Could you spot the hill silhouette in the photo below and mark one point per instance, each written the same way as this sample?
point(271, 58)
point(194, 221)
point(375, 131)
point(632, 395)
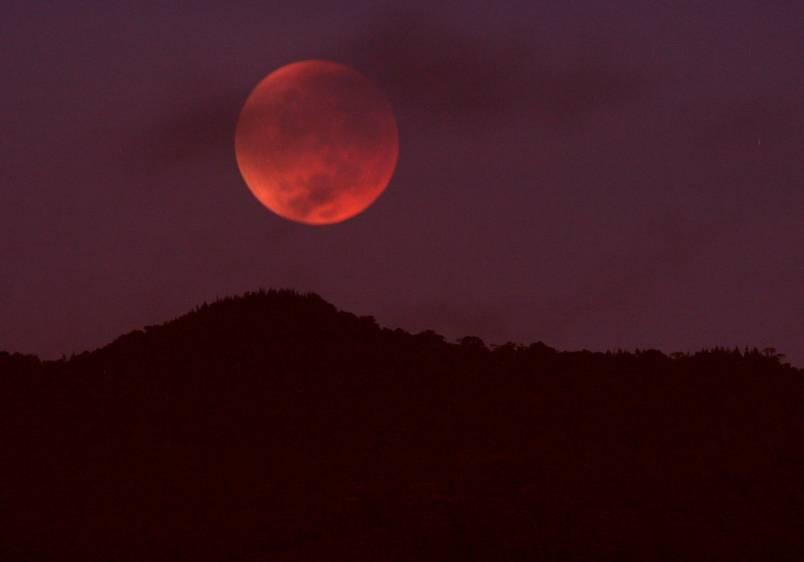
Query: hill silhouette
point(275, 427)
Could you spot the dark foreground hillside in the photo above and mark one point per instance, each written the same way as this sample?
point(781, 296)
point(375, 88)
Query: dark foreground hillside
point(275, 428)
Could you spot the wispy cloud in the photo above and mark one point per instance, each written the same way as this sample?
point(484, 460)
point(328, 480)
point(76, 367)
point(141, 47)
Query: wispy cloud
point(449, 76)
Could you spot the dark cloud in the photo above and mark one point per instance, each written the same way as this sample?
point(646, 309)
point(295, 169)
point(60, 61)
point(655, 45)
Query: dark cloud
point(437, 76)
point(196, 123)
point(449, 76)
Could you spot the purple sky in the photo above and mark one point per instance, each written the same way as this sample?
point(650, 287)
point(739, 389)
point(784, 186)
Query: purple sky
point(590, 174)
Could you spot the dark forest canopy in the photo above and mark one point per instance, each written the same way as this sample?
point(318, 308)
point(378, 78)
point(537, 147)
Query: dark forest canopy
point(274, 427)
point(287, 313)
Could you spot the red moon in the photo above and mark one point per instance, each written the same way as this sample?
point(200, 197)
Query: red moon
point(316, 142)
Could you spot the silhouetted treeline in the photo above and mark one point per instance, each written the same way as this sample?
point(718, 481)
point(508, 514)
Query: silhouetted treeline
point(275, 427)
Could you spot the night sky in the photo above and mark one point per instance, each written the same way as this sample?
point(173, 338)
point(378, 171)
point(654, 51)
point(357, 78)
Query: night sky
point(590, 174)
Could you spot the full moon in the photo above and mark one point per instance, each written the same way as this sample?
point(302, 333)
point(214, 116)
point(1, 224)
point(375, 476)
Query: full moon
point(316, 142)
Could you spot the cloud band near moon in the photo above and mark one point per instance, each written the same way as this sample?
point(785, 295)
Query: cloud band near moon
point(437, 77)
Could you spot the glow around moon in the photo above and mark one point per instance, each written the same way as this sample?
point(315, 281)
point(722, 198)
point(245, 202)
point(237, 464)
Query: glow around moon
point(316, 142)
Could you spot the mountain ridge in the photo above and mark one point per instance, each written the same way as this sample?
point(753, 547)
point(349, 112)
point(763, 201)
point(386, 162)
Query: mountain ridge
point(276, 427)
point(310, 301)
